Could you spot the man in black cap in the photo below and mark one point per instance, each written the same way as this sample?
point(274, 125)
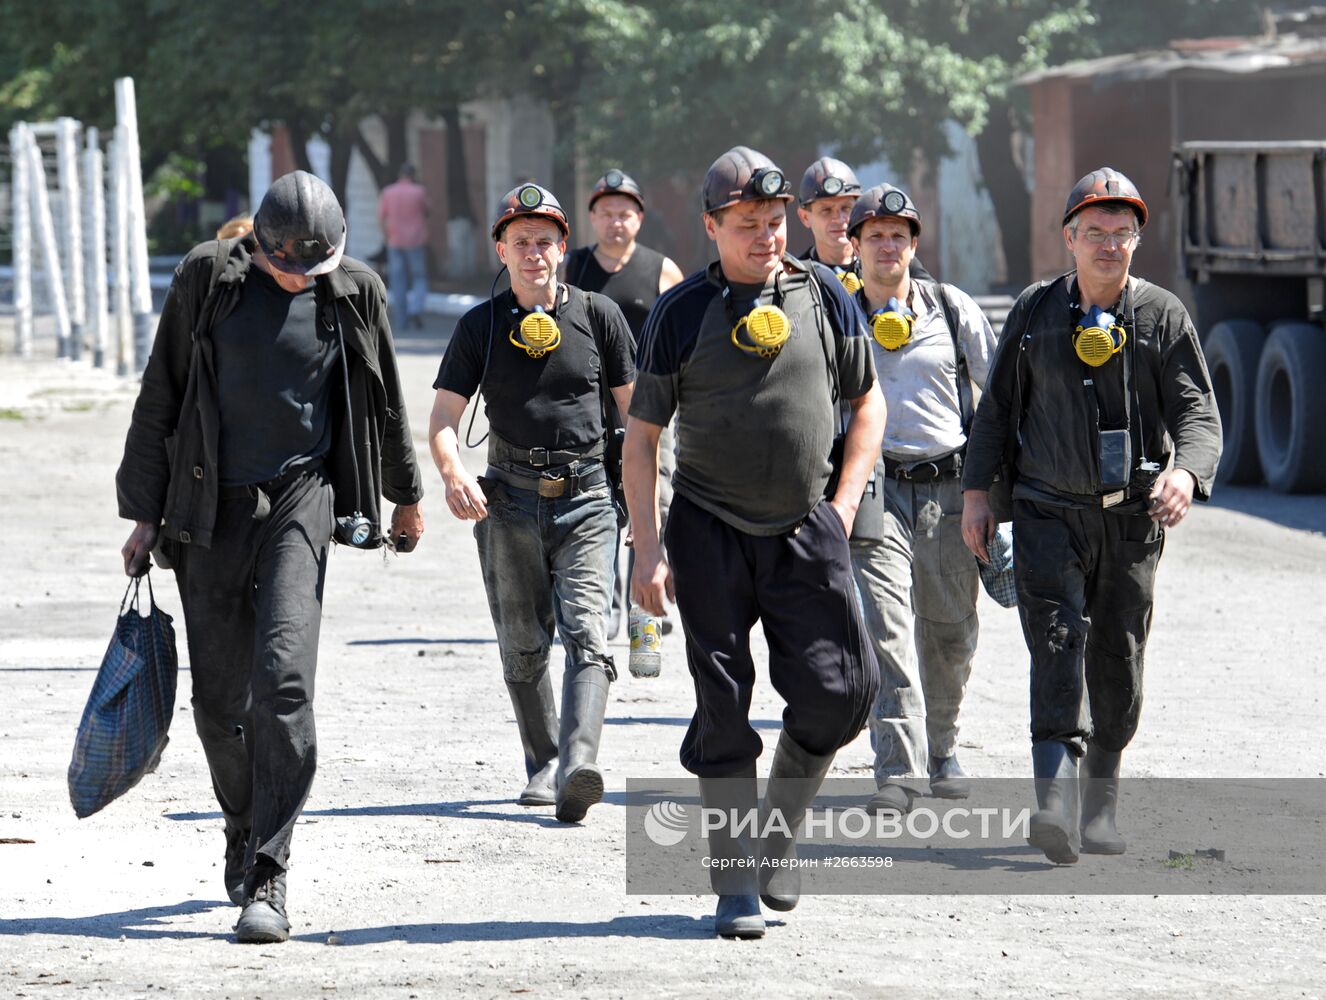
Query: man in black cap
point(753, 354)
point(932, 347)
point(273, 361)
point(1099, 407)
point(633, 276)
point(547, 358)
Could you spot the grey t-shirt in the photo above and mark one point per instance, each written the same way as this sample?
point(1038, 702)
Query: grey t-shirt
point(753, 434)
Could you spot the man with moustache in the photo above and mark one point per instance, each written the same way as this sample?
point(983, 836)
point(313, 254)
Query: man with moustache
point(633, 276)
point(545, 520)
point(1100, 403)
point(753, 354)
point(932, 347)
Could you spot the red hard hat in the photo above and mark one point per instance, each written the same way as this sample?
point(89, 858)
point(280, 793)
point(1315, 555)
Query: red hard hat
point(1105, 184)
point(530, 199)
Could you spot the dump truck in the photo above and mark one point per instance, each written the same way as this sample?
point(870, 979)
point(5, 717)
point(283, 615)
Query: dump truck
point(1252, 243)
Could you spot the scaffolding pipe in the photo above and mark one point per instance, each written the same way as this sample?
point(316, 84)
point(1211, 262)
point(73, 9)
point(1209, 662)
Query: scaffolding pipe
point(71, 230)
point(94, 202)
point(119, 233)
point(21, 243)
point(140, 289)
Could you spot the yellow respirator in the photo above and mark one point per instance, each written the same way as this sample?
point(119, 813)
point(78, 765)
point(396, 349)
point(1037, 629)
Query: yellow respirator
point(538, 334)
point(892, 325)
point(1098, 337)
point(767, 329)
point(850, 280)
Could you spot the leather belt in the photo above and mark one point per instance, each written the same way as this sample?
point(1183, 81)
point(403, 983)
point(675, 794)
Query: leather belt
point(500, 450)
point(568, 485)
point(270, 486)
point(925, 471)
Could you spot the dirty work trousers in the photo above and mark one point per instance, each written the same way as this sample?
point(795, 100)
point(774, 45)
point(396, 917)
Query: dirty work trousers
point(799, 586)
point(1085, 579)
point(253, 608)
point(918, 590)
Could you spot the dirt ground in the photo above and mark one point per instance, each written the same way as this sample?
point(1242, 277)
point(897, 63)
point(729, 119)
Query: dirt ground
point(415, 874)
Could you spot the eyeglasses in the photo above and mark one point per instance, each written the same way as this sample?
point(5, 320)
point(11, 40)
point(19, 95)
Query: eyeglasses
point(1125, 238)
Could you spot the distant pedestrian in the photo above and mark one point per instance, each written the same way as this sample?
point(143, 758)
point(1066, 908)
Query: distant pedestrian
point(403, 211)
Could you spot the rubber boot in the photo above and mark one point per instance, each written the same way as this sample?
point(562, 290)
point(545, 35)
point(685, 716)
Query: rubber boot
point(1100, 798)
point(890, 799)
point(579, 780)
point(1054, 826)
point(947, 778)
point(732, 872)
point(794, 779)
point(536, 718)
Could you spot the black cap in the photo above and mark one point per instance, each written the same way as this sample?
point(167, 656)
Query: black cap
point(300, 225)
point(742, 174)
point(1104, 185)
point(828, 178)
point(617, 181)
point(530, 199)
point(880, 202)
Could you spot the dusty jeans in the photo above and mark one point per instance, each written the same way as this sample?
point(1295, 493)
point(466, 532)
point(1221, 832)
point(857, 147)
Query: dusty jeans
point(253, 607)
point(918, 589)
point(547, 561)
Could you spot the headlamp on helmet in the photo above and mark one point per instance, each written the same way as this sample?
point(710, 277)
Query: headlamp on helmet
point(832, 186)
point(613, 178)
point(1098, 337)
point(892, 325)
point(538, 334)
point(769, 182)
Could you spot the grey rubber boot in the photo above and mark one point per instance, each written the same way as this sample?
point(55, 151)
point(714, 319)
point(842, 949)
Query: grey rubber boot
point(794, 779)
point(947, 778)
point(1054, 826)
point(579, 780)
point(1100, 799)
point(536, 718)
point(732, 872)
point(890, 798)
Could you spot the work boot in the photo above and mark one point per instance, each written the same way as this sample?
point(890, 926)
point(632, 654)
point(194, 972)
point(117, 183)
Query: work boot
point(794, 779)
point(263, 920)
point(890, 798)
point(1054, 825)
point(1100, 798)
point(237, 842)
point(732, 872)
point(579, 780)
point(536, 718)
point(947, 778)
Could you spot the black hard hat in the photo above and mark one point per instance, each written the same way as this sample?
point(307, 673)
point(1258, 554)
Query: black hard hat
point(742, 174)
point(880, 202)
point(828, 178)
point(530, 199)
point(300, 225)
point(1103, 185)
point(617, 182)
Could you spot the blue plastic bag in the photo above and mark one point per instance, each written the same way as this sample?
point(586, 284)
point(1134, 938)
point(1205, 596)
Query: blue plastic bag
point(123, 730)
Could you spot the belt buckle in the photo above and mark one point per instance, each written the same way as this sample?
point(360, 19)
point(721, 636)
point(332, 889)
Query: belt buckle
point(1110, 499)
point(534, 460)
point(552, 487)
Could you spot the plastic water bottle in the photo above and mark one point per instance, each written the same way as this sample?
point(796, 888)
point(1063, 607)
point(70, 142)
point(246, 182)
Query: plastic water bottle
point(646, 643)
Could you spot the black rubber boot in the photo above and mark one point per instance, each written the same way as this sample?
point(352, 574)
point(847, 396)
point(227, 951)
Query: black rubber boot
point(1100, 799)
point(263, 920)
point(890, 798)
point(579, 780)
point(794, 779)
point(947, 778)
point(732, 872)
point(536, 718)
point(1054, 826)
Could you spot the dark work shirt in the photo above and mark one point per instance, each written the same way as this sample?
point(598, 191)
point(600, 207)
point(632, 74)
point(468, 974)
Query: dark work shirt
point(549, 402)
point(1173, 413)
point(275, 368)
point(634, 288)
point(753, 434)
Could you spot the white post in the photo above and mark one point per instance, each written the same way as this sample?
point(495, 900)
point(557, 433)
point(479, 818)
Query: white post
point(71, 219)
point(41, 211)
point(22, 241)
point(126, 113)
point(94, 171)
point(119, 230)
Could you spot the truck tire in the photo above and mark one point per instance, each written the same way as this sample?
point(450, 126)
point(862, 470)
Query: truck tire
point(1233, 349)
point(1291, 408)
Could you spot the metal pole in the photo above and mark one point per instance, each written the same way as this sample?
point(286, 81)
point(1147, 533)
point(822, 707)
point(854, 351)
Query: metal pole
point(41, 211)
point(126, 113)
point(22, 241)
point(94, 170)
point(119, 231)
point(71, 218)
